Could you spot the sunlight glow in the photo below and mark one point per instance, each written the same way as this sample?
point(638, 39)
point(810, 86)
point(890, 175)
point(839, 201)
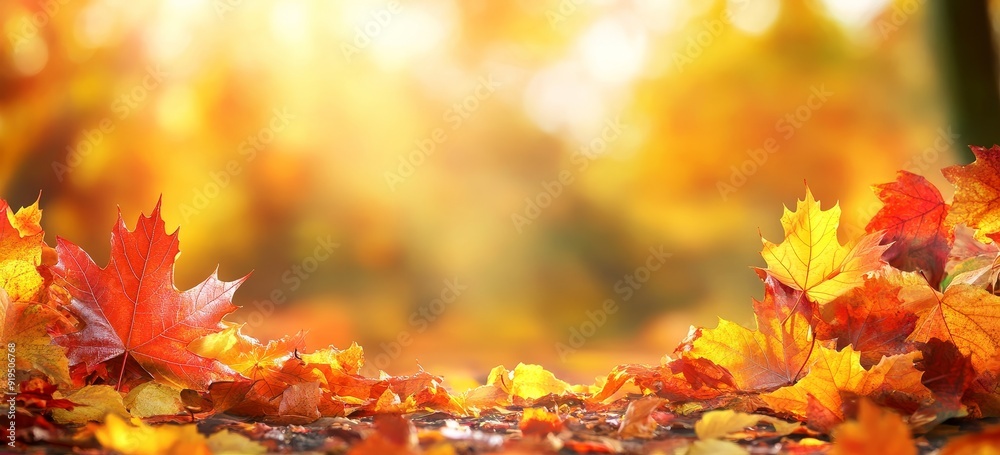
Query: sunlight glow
point(612, 53)
point(754, 16)
point(855, 13)
point(412, 33)
point(558, 99)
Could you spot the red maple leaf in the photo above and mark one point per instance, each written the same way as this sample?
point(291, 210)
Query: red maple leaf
point(913, 219)
point(132, 310)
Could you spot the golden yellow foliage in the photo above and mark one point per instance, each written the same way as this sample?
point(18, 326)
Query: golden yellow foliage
point(813, 260)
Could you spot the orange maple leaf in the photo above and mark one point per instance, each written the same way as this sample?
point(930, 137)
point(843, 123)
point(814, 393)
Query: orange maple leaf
point(813, 260)
point(977, 193)
point(913, 219)
point(967, 316)
point(131, 308)
point(873, 424)
point(837, 374)
point(262, 364)
point(773, 355)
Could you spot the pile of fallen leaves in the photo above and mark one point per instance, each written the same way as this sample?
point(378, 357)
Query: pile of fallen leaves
point(889, 343)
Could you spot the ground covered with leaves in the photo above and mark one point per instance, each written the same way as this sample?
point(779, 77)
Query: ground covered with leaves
point(889, 343)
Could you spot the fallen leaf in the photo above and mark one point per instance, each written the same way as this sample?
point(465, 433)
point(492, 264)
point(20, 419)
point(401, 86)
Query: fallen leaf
point(527, 383)
point(638, 420)
point(773, 355)
point(977, 193)
point(137, 438)
point(966, 316)
point(836, 373)
point(21, 247)
point(539, 422)
point(132, 309)
point(913, 219)
point(93, 404)
point(813, 260)
point(393, 435)
point(226, 442)
point(300, 403)
point(153, 399)
point(266, 365)
point(347, 360)
point(28, 326)
point(871, 318)
point(947, 374)
point(875, 432)
point(719, 424)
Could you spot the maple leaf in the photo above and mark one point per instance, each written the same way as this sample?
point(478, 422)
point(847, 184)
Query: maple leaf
point(836, 374)
point(977, 193)
point(983, 395)
point(773, 355)
point(262, 364)
point(967, 316)
point(812, 259)
point(947, 374)
point(92, 403)
point(131, 308)
point(870, 318)
point(913, 219)
point(526, 383)
point(21, 249)
point(873, 424)
point(28, 326)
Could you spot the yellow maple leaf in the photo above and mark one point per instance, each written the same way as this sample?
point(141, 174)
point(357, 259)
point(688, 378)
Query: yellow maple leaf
point(265, 364)
point(27, 325)
point(94, 403)
point(835, 373)
point(811, 257)
point(137, 438)
point(772, 356)
point(349, 360)
point(21, 245)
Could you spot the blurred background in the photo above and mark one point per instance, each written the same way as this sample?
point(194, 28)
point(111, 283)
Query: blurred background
point(460, 184)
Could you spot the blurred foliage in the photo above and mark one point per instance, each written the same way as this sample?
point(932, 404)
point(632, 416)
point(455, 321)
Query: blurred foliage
point(181, 89)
